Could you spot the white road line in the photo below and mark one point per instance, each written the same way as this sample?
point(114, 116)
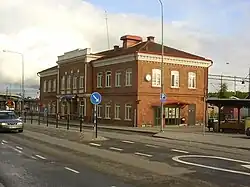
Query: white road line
point(17, 150)
point(20, 148)
point(4, 141)
point(115, 148)
point(154, 146)
point(39, 156)
point(126, 141)
point(33, 157)
point(71, 170)
point(95, 144)
point(179, 151)
point(143, 154)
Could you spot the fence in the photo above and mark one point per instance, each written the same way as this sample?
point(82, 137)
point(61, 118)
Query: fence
point(57, 120)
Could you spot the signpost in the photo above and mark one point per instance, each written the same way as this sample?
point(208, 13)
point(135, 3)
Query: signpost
point(163, 99)
point(95, 99)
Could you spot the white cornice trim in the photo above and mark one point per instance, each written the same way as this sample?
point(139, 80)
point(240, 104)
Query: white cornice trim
point(49, 73)
point(114, 60)
point(151, 58)
point(173, 60)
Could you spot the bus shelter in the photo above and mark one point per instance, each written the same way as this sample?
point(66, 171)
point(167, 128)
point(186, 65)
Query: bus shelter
point(234, 103)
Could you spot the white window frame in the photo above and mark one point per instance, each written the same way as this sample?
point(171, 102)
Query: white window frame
point(176, 83)
point(99, 111)
point(107, 111)
point(117, 112)
point(75, 82)
point(81, 82)
point(118, 75)
point(128, 77)
point(108, 76)
point(49, 86)
point(63, 83)
point(191, 80)
point(54, 85)
point(156, 78)
point(127, 114)
point(45, 86)
point(82, 107)
point(99, 80)
point(69, 82)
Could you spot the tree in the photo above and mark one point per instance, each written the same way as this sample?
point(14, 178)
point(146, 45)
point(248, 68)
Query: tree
point(223, 92)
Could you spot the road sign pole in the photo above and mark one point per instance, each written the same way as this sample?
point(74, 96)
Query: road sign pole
point(95, 99)
point(95, 121)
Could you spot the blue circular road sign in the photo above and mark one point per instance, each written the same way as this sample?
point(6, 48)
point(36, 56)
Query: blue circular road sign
point(95, 98)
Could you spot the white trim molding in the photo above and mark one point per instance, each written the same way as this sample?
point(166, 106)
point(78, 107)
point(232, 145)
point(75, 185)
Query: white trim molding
point(49, 73)
point(173, 60)
point(152, 58)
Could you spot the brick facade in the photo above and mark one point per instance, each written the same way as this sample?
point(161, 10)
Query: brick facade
point(126, 77)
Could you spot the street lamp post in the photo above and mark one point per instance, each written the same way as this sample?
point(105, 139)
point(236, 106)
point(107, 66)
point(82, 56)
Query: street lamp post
point(162, 63)
point(22, 81)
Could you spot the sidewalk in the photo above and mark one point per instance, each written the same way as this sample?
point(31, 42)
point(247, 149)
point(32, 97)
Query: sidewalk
point(143, 130)
point(240, 141)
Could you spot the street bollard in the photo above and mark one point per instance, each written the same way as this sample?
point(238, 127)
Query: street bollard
point(81, 120)
point(31, 117)
point(68, 121)
point(47, 120)
point(57, 115)
point(25, 115)
point(38, 118)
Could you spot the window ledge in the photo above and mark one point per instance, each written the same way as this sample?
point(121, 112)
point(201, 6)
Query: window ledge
point(118, 86)
point(107, 118)
point(176, 87)
point(127, 119)
point(128, 85)
point(99, 117)
point(156, 86)
point(191, 88)
point(118, 119)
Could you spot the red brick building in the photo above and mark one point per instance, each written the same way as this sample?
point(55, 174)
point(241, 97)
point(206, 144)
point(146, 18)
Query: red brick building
point(129, 80)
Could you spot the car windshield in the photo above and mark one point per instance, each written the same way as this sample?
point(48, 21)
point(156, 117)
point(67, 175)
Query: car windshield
point(8, 115)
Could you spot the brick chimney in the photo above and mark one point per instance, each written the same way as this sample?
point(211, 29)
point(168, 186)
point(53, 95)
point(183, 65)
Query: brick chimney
point(116, 47)
point(151, 38)
point(130, 40)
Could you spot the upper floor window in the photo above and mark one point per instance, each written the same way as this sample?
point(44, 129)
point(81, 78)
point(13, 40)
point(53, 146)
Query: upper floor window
point(54, 85)
point(45, 86)
point(108, 79)
point(49, 86)
point(175, 79)
point(156, 78)
point(191, 80)
point(99, 80)
point(118, 79)
point(63, 83)
point(81, 82)
point(75, 82)
point(128, 77)
point(69, 82)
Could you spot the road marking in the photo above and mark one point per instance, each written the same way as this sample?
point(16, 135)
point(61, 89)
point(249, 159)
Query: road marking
point(95, 144)
point(143, 154)
point(126, 141)
point(115, 148)
point(4, 141)
point(179, 151)
point(71, 170)
point(39, 156)
point(246, 166)
point(17, 150)
point(178, 159)
point(154, 146)
point(20, 148)
point(33, 157)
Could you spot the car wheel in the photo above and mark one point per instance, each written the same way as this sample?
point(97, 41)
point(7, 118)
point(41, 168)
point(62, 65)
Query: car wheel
point(20, 130)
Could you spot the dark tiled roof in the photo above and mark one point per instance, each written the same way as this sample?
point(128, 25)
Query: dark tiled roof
point(48, 69)
point(150, 48)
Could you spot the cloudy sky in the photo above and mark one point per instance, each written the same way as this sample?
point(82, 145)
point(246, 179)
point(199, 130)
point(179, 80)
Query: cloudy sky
point(44, 29)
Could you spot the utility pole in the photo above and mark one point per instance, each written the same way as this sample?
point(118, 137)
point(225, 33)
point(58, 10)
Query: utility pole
point(107, 28)
point(235, 85)
point(221, 82)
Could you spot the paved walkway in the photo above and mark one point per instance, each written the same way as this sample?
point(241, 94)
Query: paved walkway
point(226, 140)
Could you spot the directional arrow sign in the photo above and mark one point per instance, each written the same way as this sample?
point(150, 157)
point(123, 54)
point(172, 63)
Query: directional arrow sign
point(95, 98)
point(246, 166)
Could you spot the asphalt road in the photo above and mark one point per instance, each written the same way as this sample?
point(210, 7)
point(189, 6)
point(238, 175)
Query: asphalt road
point(20, 166)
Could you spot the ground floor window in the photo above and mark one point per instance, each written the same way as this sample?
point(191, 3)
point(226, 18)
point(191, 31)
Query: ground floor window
point(117, 111)
point(53, 109)
point(172, 115)
point(107, 111)
point(128, 112)
point(82, 108)
point(99, 111)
